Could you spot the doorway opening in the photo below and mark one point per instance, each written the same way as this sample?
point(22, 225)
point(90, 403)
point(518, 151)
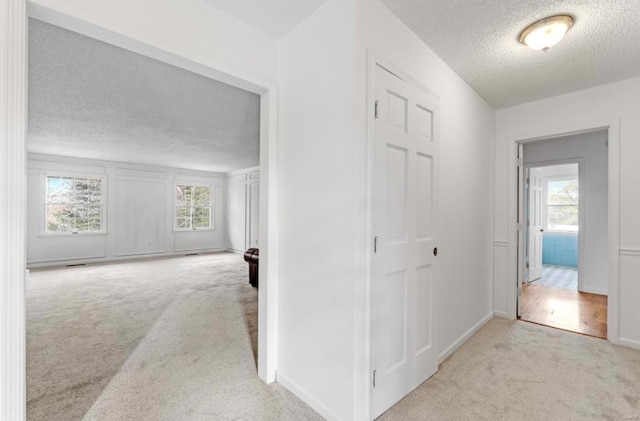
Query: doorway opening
point(562, 256)
point(553, 214)
point(267, 113)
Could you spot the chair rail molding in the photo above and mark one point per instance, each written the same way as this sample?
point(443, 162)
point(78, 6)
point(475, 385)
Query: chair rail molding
point(628, 251)
point(13, 122)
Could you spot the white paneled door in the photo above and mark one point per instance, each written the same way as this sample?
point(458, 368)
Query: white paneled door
point(535, 224)
point(404, 351)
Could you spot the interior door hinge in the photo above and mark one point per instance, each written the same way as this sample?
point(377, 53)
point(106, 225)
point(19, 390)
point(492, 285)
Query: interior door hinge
point(374, 377)
point(527, 265)
point(375, 244)
point(376, 109)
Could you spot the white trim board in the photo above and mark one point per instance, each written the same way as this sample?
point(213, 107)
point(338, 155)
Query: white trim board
point(123, 257)
point(13, 127)
point(629, 343)
point(465, 337)
point(630, 252)
point(306, 397)
point(596, 291)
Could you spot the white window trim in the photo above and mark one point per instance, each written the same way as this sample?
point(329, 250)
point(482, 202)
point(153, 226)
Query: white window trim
point(43, 195)
point(212, 222)
point(545, 193)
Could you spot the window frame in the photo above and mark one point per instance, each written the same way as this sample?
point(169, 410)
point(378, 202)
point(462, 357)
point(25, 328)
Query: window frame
point(545, 193)
point(211, 187)
point(45, 175)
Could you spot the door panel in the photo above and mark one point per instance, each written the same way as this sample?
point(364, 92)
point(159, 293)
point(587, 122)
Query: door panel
point(404, 350)
point(397, 193)
point(424, 119)
point(424, 200)
point(396, 315)
point(424, 292)
point(535, 224)
point(397, 114)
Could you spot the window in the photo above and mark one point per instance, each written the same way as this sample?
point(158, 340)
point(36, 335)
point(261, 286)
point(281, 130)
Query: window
point(74, 205)
point(193, 207)
point(562, 205)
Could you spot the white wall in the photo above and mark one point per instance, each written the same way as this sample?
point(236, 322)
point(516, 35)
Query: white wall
point(616, 104)
point(317, 209)
point(243, 209)
point(323, 288)
point(591, 148)
point(139, 213)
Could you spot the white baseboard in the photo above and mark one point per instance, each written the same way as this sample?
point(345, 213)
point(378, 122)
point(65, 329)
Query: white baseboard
point(629, 343)
point(230, 250)
point(464, 338)
point(122, 258)
point(306, 397)
point(501, 314)
point(598, 291)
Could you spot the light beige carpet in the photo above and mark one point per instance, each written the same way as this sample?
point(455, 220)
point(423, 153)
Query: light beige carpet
point(174, 339)
point(520, 371)
point(165, 339)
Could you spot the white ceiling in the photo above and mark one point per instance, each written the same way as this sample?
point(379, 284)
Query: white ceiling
point(479, 40)
point(274, 17)
point(89, 99)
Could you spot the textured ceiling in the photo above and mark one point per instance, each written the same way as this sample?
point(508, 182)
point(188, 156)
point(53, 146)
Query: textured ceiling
point(479, 40)
point(275, 17)
point(89, 99)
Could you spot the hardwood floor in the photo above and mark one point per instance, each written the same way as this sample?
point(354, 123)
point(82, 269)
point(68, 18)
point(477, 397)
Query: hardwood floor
point(575, 311)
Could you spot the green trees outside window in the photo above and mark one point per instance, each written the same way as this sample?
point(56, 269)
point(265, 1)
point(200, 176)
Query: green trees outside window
point(562, 205)
point(73, 205)
point(193, 207)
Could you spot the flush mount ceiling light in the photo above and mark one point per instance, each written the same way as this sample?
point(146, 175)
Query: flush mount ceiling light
point(546, 33)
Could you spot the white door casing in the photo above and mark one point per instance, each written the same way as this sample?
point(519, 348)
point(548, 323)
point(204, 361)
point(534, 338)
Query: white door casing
point(534, 222)
point(404, 348)
point(520, 232)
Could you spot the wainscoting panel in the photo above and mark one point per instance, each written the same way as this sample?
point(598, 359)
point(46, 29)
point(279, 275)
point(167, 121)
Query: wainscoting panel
point(629, 329)
point(243, 209)
point(500, 256)
point(141, 217)
point(139, 213)
point(254, 214)
point(236, 211)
